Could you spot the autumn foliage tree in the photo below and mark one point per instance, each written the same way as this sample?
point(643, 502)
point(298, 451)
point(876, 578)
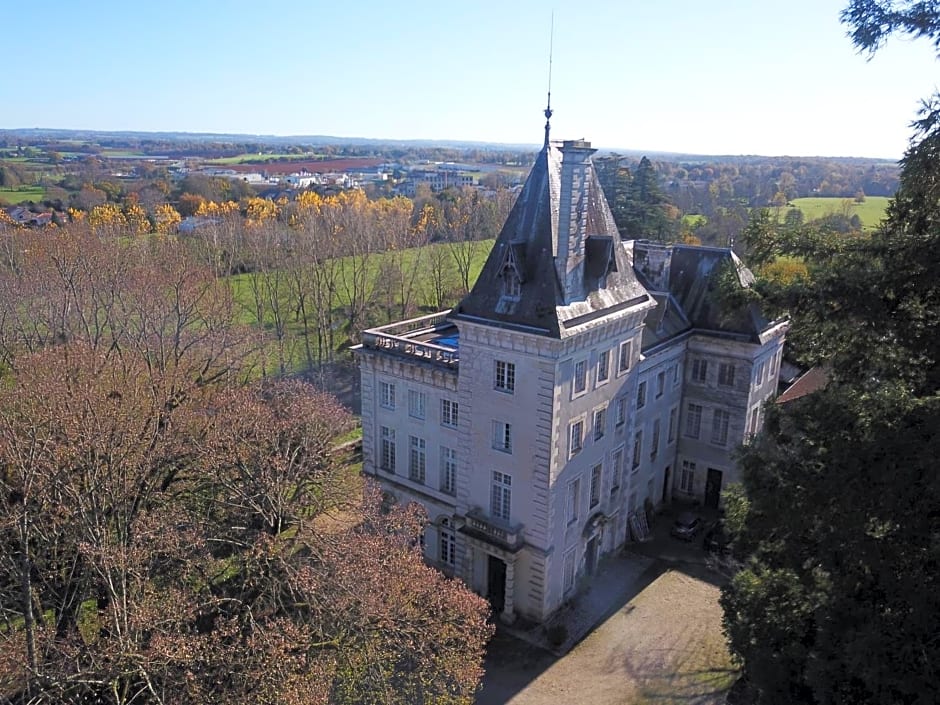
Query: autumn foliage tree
point(173, 531)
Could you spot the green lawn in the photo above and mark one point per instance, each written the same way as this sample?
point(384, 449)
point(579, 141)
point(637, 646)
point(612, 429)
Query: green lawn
point(871, 211)
point(23, 193)
point(242, 158)
point(294, 348)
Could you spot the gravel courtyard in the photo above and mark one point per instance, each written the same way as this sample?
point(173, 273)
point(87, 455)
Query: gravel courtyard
point(663, 646)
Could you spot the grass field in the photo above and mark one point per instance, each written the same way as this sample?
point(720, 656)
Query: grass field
point(24, 193)
point(871, 211)
point(294, 350)
point(243, 158)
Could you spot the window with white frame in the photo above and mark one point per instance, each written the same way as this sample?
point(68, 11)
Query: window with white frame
point(387, 395)
point(637, 449)
point(720, 420)
point(579, 382)
point(654, 444)
point(726, 374)
point(600, 423)
point(387, 455)
point(448, 413)
point(660, 384)
point(501, 497)
point(603, 366)
point(502, 436)
point(416, 403)
point(759, 375)
point(417, 459)
point(700, 370)
point(687, 477)
point(597, 473)
point(671, 433)
point(641, 395)
point(616, 470)
point(575, 437)
point(693, 420)
point(675, 375)
point(569, 571)
point(573, 501)
point(448, 541)
point(753, 421)
point(775, 364)
point(505, 377)
point(620, 412)
point(448, 470)
point(625, 357)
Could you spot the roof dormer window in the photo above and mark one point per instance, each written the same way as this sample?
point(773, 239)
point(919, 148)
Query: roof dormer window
point(512, 287)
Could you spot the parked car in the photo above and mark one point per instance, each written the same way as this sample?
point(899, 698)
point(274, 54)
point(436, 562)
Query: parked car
point(717, 539)
point(686, 526)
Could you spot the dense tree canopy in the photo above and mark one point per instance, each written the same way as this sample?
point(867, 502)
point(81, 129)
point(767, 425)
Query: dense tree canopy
point(838, 598)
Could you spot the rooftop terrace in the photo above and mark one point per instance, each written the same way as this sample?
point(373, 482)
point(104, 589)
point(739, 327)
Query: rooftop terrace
point(430, 338)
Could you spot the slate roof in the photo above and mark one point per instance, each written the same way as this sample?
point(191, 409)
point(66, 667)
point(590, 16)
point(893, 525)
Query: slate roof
point(528, 243)
point(688, 274)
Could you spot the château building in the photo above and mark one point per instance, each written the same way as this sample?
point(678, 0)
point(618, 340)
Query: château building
point(582, 378)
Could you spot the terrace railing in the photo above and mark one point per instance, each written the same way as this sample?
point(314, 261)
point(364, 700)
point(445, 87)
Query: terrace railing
point(399, 338)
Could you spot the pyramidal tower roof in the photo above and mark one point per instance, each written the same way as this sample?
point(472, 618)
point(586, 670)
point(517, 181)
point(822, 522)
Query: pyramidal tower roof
point(559, 262)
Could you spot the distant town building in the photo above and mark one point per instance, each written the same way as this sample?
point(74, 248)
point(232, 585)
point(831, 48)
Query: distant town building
point(583, 378)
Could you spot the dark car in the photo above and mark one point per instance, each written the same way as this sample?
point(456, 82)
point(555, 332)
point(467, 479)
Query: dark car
point(717, 539)
point(686, 526)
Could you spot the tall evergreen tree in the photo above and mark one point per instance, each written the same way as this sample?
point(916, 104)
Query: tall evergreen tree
point(839, 598)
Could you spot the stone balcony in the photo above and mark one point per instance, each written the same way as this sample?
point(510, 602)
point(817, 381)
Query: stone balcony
point(480, 525)
point(429, 338)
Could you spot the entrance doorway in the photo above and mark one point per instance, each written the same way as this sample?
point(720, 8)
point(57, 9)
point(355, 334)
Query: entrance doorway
point(713, 488)
point(590, 556)
point(496, 583)
point(666, 484)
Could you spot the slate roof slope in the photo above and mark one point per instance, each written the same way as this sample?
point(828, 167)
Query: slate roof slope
point(528, 242)
point(689, 274)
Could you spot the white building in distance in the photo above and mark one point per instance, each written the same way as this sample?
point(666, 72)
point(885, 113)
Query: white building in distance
point(582, 378)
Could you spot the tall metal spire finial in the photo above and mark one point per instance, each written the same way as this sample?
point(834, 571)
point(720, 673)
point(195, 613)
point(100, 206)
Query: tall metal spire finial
point(548, 107)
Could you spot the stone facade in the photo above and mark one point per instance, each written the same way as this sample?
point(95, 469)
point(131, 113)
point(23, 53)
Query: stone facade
point(535, 419)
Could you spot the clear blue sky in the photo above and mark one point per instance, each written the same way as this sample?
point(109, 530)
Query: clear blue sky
point(722, 77)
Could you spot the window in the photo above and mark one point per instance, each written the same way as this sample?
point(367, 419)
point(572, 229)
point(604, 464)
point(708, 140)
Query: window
point(625, 357)
point(671, 433)
point(569, 571)
point(597, 472)
point(699, 370)
point(573, 501)
point(641, 395)
point(603, 366)
point(580, 376)
point(502, 436)
point(505, 377)
point(759, 376)
point(448, 413)
point(637, 449)
point(616, 466)
point(600, 423)
point(575, 438)
point(512, 287)
point(660, 384)
point(775, 364)
point(726, 374)
point(448, 470)
point(675, 375)
point(387, 395)
point(448, 542)
point(388, 448)
point(654, 451)
point(416, 403)
point(693, 421)
point(687, 477)
point(720, 420)
point(753, 421)
point(501, 498)
point(620, 412)
point(417, 459)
